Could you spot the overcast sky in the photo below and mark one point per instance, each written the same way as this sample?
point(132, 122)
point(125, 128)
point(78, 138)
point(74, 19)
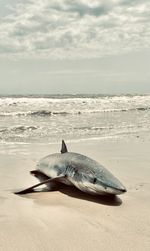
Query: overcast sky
point(74, 46)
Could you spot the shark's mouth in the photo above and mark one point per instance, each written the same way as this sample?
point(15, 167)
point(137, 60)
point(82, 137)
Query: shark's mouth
point(115, 190)
point(108, 188)
point(111, 189)
point(101, 188)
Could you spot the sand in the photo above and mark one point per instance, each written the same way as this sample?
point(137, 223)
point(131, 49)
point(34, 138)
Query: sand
point(68, 219)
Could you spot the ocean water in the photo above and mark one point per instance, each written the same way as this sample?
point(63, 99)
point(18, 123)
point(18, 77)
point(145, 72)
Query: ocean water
point(47, 119)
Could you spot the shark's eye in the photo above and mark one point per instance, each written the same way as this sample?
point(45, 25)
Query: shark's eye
point(94, 181)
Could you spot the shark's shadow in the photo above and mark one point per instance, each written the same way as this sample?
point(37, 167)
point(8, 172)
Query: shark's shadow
point(109, 200)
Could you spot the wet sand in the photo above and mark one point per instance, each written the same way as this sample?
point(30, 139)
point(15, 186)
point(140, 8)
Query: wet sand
point(68, 219)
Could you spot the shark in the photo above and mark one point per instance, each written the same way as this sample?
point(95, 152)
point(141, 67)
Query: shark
point(74, 169)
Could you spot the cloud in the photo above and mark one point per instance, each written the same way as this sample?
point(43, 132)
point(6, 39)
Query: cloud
point(82, 7)
point(73, 29)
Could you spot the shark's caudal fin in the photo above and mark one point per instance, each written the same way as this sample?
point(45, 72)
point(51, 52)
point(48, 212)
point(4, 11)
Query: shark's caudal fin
point(30, 189)
point(63, 147)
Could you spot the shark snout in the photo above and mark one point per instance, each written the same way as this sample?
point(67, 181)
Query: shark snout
point(121, 191)
point(124, 190)
point(116, 190)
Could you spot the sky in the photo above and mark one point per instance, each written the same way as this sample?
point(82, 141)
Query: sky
point(74, 46)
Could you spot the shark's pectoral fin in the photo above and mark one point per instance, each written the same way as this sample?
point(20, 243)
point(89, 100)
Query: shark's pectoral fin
point(30, 189)
point(39, 175)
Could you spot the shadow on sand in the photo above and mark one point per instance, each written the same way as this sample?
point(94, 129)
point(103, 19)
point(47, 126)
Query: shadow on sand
point(109, 200)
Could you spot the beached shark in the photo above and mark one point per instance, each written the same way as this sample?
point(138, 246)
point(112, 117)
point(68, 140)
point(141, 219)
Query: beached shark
point(75, 170)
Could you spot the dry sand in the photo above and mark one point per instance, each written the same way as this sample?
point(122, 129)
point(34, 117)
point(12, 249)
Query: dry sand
point(68, 219)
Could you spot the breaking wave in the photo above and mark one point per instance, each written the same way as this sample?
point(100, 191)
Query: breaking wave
point(46, 113)
point(19, 129)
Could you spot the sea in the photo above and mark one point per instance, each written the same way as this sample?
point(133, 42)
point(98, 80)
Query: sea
point(43, 119)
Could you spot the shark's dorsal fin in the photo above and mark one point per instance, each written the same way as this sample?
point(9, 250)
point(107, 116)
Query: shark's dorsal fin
point(63, 147)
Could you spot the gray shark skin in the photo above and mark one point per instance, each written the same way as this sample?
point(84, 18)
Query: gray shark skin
point(77, 170)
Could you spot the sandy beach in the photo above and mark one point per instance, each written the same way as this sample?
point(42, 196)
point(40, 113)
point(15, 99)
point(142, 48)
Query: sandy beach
point(68, 219)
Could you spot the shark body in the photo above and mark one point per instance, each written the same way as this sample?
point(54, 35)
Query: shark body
point(77, 170)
